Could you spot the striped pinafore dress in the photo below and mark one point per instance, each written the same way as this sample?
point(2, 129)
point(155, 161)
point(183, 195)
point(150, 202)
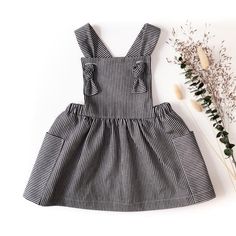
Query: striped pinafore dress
point(118, 151)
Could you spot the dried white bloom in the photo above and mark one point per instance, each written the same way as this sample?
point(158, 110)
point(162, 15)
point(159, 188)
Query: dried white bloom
point(212, 65)
point(196, 105)
point(203, 58)
point(178, 92)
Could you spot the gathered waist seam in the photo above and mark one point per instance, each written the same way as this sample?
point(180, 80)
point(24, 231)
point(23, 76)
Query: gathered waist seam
point(78, 109)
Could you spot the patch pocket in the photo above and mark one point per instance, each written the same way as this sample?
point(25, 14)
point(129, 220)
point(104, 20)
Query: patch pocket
point(193, 165)
point(173, 123)
point(48, 154)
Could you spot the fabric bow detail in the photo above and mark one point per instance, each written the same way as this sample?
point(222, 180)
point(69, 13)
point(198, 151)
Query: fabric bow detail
point(138, 72)
point(90, 88)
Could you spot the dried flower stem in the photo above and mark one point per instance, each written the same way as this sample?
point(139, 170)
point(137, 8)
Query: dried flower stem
point(198, 88)
point(212, 83)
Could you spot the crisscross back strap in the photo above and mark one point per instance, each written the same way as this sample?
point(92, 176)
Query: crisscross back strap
point(90, 44)
point(145, 42)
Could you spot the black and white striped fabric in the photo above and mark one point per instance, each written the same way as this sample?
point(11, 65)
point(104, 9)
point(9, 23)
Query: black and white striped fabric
point(117, 151)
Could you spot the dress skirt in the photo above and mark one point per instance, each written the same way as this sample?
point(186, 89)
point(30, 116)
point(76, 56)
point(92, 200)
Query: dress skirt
point(119, 164)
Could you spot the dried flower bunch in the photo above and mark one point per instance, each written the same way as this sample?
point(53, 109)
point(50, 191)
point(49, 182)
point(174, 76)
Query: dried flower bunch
point(209, 78)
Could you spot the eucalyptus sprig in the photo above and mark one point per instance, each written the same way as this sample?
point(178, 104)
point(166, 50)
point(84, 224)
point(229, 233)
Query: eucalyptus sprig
point(198, 88)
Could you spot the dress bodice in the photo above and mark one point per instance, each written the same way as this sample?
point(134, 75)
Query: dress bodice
point(117, 87)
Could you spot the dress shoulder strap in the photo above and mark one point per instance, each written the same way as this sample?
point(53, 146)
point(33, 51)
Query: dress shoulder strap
point(145, 42)
point(90, 44)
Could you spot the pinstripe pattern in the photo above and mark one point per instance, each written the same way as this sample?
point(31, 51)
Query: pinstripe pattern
point(48, 154)
point(192, 163)
point(138, 82)
point(90, 88)
point(145, 41)
point(117, 151)
point(91, 45)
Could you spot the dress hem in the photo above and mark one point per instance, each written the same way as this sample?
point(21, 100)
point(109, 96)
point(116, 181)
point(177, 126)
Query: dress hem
point(139, 206)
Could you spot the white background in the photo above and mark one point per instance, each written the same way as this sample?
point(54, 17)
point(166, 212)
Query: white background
point(41, 74)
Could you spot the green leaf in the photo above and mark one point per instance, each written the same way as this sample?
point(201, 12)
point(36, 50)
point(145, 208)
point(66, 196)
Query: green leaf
point(182, 65)
point(195, 83)
point(215, 117)
point(214, 110)
point(208, 111)
point(203, 90)
point(180, 58)
point(230, 145)
point(228, 152)
point(188, 81)
point(225, 133)
point(219, 127)
point(207, 98)
point(200, 85)
point(206, 103)
point(209, 102)
point(218, 134)
point(224, 139)
point(214, 124)
point(198, 92)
